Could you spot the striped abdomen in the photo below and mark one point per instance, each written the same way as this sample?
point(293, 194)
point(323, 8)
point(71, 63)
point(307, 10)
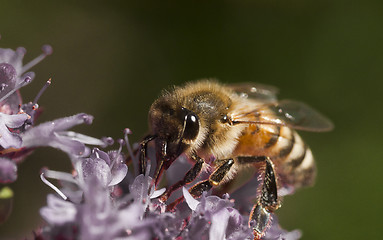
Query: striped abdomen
point(292, 158)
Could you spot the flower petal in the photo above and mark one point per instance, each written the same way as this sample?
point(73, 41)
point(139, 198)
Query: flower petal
point(119, 169)
point(7, 138)
point(14, 121)
point(15, 58)
point(140, 187)
point(58, 211)
point(8, 171)
point(7, 77)
point(192, 203)
point(219, 224)
point(53, 134)
point(89, 168)
point(65, 123)
point(64, 144)
point(97, 153)
point(119, 172)
point(276, 232)
point(82, 138)
point(157, 193)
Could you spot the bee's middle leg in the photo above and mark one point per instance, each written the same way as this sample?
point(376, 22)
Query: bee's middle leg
point(188, 178)
point(214, 180)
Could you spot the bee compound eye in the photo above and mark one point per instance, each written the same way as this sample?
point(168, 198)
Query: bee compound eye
point(224, 119)
point(191, 126)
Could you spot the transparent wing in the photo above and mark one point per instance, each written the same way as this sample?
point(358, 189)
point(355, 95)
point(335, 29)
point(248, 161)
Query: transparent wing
point(261, 92)
point(289, 113)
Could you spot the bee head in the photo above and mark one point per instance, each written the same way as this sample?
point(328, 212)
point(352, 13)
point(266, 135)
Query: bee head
point(176, 128)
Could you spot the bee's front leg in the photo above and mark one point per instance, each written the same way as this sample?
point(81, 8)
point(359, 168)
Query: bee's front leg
point(260, 216)
point(143, 150)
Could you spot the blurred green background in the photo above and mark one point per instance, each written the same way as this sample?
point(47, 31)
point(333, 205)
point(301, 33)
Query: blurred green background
point(111, 60)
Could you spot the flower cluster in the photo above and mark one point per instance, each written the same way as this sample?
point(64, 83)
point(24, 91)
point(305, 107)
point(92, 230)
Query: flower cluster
point(101, 199)
point(18, 135)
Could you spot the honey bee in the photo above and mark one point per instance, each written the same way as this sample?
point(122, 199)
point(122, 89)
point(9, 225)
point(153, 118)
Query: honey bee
point(237, 126)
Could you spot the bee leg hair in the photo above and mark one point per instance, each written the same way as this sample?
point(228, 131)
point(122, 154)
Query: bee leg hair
point(260, 216)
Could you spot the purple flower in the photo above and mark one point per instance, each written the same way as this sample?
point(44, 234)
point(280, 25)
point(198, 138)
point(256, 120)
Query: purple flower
point(275, 232)
point(97, 214)
point(58, 211)
point(13, 76)
point(95, 211)
point(215, 218)
point(138, 214)
point(8, 170)
point(18, 136)
point(8, 78)
point(55, 134)
point(15, 58)
point(98, 217)
point(110, 169)
point(7, 122)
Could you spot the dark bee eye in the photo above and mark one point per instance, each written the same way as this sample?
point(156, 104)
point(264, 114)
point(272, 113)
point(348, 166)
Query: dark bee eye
point(224, 119)
point(191, 124)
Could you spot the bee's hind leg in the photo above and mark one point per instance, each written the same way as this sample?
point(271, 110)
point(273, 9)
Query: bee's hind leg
point(260, 216)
